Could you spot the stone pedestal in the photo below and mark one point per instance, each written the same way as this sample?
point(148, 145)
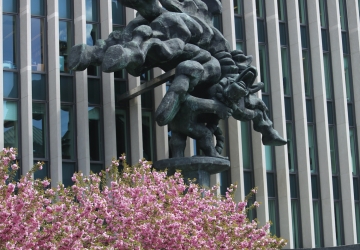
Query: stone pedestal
point(196, 167)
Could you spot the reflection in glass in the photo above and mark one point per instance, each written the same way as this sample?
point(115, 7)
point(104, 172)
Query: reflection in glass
point(68, 169)
point(147, 130)
point(238, 7)
point(95, 134)
point(92, 34)
point(67, 132)
point(94, 91)
point(246, 143)
point(43, 173)
point(312, 154)
point(338, 224)
point(272, 216)
point(39, 87)
point(121, 132)
point(66, 89)
point(39, 122)
point(290, 146)
point(353, 150)
point(317, 225)
point(37, 7)
point(10, 85)
point(342, 10)
point(327, 72)
point(65, 43)
point(37, 44)
point(357, 216)
point(9, 5)
point(295, 223)
point(332, 149)
point(260, 8)
point(306, 68)
point(285, 71)
point(91, 11)
point(263, 69)
point(322, 10)
point(239, 46)
point(347, 78)
point(9, 42)
point(281, 10)
point(65, 9)
point(11, 133)
point(302, 12)
point(268, 158)
point(117, 13)
point(239, 33)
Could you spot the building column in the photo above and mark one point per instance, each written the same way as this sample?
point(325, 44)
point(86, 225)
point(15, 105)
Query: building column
point(1, 80)
point(162, 137)
point(322, 128)
point(26, 86)
point(234, 129)
point(82, 116)
point(136, 137)
point(108, 90)
point(300, 120)
point(54, 93)
point(277, 100)
point(342, 123)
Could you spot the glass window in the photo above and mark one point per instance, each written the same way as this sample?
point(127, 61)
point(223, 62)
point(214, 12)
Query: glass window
point(322, 9)
point(290, 146)
point(224, 182)
point(350, 114)
point(43, 173)
point(39, 87)
point(67, 89)
point(295, 223)
point(283, 38)
point(345, 44)
point(312, 148)
point(37, 44)
point(120, 74)
point(324, 39)
point(238, 7)
point(92, 34)
point(302, 11)
point(263, 67)
point(65, 9)
point(260, 8)
point(309, 110)
point(281, 10)
point(342, 10)
point(327, 73)
point(314, 187)
point(347, 78)
point(11, 133)
point(37, 7)
point(121, 132)
point(9, 42)
point(239, 46)
point(92, 11)
point(68, 170)
point(304, 41)
point(272, 216)
point(68, 132)
point(117, 13)
point(356, 189)
point(9, 5)
point(216, 20)
point(353, 150)
point(246, 144)
point(269, 158)
point(307, 77)
point(147, 130)
point(96, 168)
point(285, 71)
point(39, 122)
point(317, 225)
point(338, 223)
point(261, 31)
point(94, 91)
point(65, 43)
point(95, 134)
point(10, 85)
point(357, 214)
point(288, 110)
point(271, 185)
point(332, 149)
point(120, 88)
point(238, 28)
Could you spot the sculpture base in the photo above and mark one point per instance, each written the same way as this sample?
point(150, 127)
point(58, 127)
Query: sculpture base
point(198, 167)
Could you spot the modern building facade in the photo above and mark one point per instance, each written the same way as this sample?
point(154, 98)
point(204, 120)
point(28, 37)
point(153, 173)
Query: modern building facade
point(307, 53)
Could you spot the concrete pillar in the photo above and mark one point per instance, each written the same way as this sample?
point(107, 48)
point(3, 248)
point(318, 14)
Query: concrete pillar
point(25, 86)
point(278, 107)
point(342, 123)
point(82, 116)
point(300, 120)
point(162, 137)
point(135, 110)
point(108, 89)
point(54, 93)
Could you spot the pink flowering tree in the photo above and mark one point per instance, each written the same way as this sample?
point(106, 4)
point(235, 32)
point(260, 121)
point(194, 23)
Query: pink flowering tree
point(137, 208)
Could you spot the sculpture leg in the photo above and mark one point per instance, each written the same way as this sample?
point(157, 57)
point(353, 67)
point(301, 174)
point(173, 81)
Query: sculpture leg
point(177, 144)
point(205, 140)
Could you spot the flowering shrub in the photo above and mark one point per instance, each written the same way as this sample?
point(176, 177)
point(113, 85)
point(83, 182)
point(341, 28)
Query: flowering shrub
point(138, 208)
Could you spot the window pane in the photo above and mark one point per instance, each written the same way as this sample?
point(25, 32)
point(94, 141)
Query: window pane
point(39, 87)
point(347, 78)
point(317, 225)
point(260, 8)
point(66, 89)
point(238, 28)
point(120, 74)
point(11, 133)
point(37, 7)
point(324, 39)
point(261, 31)
point(327, 73)
point(345, 42)
point(336, 187)
point(147, 99)
point(92, 34)
point(216, 20)
point(96, 168)
point(342, 10)
point(239, 46)
point(283, 38)
point(37, 44)
point(121, 132)
point(117, 12)
point(288, 110)
point(332, 149)
point(350, 114)
point(295, 215)
point(307, 77)
point(224, 182)
point(269, 158)
point(293, 186)
point(95, 134)
point(281, 10)
point(94, 91)
point(330, 112)
point(272, 216)
point(68, 145)
point(271, 185)
point(338, 223)
point(10, 86)
point(304, 41)
point(238, 7)
point(353, 150)
point(356, 189)
point(147, 130)
point(92, 11)
point(65, 9)
point(322, 10)
point(9, 42)
point(43, 173)
point(314, 187)
point(357, 214)
point(120, 88)
point(65, 43)
point(302, 11)
point(285, 71)
point(39, 122)
point(9, 5)
point(309, 111)
point(263, 69)
point(246, 145)
point(312, 148)
point(248, 182)
point(68, 170)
